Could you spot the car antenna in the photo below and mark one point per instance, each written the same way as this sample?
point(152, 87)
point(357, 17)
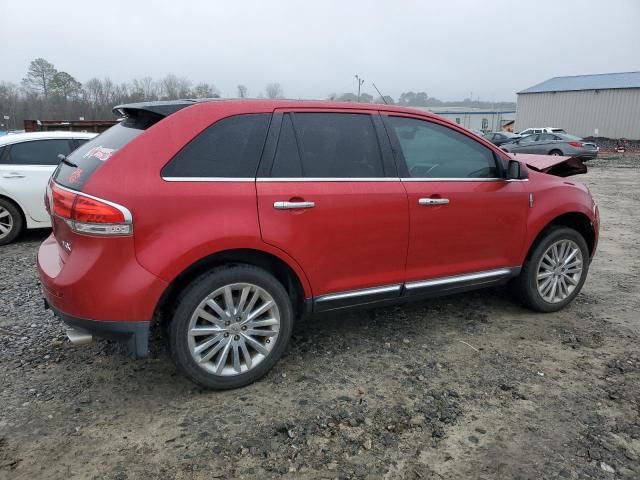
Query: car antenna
point(381, 96)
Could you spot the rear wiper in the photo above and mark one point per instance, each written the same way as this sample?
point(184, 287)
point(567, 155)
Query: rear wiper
point(66, 161)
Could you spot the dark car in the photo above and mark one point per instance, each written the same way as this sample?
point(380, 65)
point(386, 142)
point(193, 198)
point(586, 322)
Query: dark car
point(499, 138)
point(553, 144)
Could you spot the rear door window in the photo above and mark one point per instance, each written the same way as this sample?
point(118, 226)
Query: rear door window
point(38, 152)
point(94, 153)
point(328, 145)
point(230, 148)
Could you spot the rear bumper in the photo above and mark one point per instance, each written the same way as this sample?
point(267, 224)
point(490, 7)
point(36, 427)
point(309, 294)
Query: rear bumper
point(134, 334)
point(100, 289)
point(101, 280)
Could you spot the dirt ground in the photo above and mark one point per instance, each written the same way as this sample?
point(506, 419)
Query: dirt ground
point(471, 386)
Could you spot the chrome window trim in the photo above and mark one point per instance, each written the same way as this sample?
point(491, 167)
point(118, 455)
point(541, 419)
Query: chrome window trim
point(449, 179)
point(500, 272)
point(209, 179)
point(128, 218)
point(334, 179)
point(358, 293)
point(327, 179)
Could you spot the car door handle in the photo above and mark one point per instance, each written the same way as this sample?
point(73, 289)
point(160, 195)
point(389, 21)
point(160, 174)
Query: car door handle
point(292, 205)
point(433, 201)
point(13, 175)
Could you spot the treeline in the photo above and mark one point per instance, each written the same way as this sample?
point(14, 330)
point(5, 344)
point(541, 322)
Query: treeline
point(46, 93)
point(419, 99)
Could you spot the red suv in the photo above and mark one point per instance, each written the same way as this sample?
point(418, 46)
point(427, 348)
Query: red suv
point(229, 219)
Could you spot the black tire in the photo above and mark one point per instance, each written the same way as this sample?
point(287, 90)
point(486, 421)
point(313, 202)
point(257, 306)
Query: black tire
point(16, 223)
point(525, 285)
point(191, 298)
point(555, 152)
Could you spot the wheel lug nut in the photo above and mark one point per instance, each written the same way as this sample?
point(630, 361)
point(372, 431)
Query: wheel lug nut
point(268, 340)
point(236, 337)
point(227, 323)
point(244, 327)
point(226, 334)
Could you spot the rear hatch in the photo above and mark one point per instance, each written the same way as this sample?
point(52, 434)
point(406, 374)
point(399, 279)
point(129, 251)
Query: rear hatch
point(73, 212)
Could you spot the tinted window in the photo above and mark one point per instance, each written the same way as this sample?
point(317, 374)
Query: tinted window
point(38, 152)
point(547, 137)
point(287, 160)
point(434, 151)
point(330, 145)
point(2, 160)
point(91, 155)
point(229, 148)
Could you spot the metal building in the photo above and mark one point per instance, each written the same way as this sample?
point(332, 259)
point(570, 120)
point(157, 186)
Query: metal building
point(604, 105)
point(474, 118)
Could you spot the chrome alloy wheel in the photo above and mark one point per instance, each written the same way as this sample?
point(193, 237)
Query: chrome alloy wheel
point(233, 329)
point(559, 271)
point(6, 222)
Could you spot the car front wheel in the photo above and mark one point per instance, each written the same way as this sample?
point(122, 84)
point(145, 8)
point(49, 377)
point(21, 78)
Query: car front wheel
point(230, 327)
point(555, 271)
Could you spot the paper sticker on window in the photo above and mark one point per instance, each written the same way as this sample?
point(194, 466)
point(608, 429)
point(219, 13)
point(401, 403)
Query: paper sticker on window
point(101, 153)
point(75, 175)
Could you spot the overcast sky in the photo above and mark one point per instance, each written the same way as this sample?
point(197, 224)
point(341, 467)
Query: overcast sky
point(447, 48)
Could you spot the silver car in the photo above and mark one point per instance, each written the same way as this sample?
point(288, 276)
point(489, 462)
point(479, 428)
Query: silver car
point(553, 144)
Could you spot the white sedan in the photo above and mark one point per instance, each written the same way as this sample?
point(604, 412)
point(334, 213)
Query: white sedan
point(27, 160)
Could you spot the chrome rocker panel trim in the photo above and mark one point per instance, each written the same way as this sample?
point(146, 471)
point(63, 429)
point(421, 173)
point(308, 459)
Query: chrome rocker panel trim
point(434, 287)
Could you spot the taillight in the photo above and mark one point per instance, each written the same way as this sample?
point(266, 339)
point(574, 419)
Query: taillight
point(576, 144)
point(87, 214)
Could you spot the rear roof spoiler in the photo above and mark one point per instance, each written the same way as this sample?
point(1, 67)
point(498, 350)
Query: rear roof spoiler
point(164, 108)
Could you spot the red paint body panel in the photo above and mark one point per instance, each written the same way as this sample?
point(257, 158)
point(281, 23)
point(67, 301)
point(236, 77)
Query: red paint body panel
point(483, 227)
point(355, 236)
point(100, 280)
point(554, 197)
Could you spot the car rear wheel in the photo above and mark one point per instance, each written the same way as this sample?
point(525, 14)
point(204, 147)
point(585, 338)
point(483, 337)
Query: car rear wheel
point(555, 153)
point(230, 327)
point(555, 271)
point(10, 222)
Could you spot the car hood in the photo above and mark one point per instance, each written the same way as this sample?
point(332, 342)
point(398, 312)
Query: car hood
point(557, 165)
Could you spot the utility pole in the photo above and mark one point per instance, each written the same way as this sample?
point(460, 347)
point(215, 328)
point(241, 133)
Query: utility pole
point(360, 82)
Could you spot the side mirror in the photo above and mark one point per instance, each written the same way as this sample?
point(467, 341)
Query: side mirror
point(515, 171)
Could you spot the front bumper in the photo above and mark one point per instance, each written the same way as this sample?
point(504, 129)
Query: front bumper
point(134, 334)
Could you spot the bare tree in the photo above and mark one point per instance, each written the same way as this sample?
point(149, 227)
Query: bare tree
point(273, 90)
point(40, 76)
point(242, 91)
point(205, 90)
point(173, 87)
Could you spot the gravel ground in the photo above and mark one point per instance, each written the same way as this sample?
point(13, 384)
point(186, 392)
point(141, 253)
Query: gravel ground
point(469, 386)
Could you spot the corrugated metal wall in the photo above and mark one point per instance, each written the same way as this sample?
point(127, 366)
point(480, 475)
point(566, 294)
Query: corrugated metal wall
point(605, 113)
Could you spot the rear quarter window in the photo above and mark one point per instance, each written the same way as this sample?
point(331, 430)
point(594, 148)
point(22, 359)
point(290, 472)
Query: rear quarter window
point(230, 148)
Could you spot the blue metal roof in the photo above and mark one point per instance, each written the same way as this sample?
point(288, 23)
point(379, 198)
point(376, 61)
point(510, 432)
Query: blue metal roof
point(600, 81)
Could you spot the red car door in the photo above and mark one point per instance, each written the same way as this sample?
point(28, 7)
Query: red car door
point(466, 221)
point(332, 200)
